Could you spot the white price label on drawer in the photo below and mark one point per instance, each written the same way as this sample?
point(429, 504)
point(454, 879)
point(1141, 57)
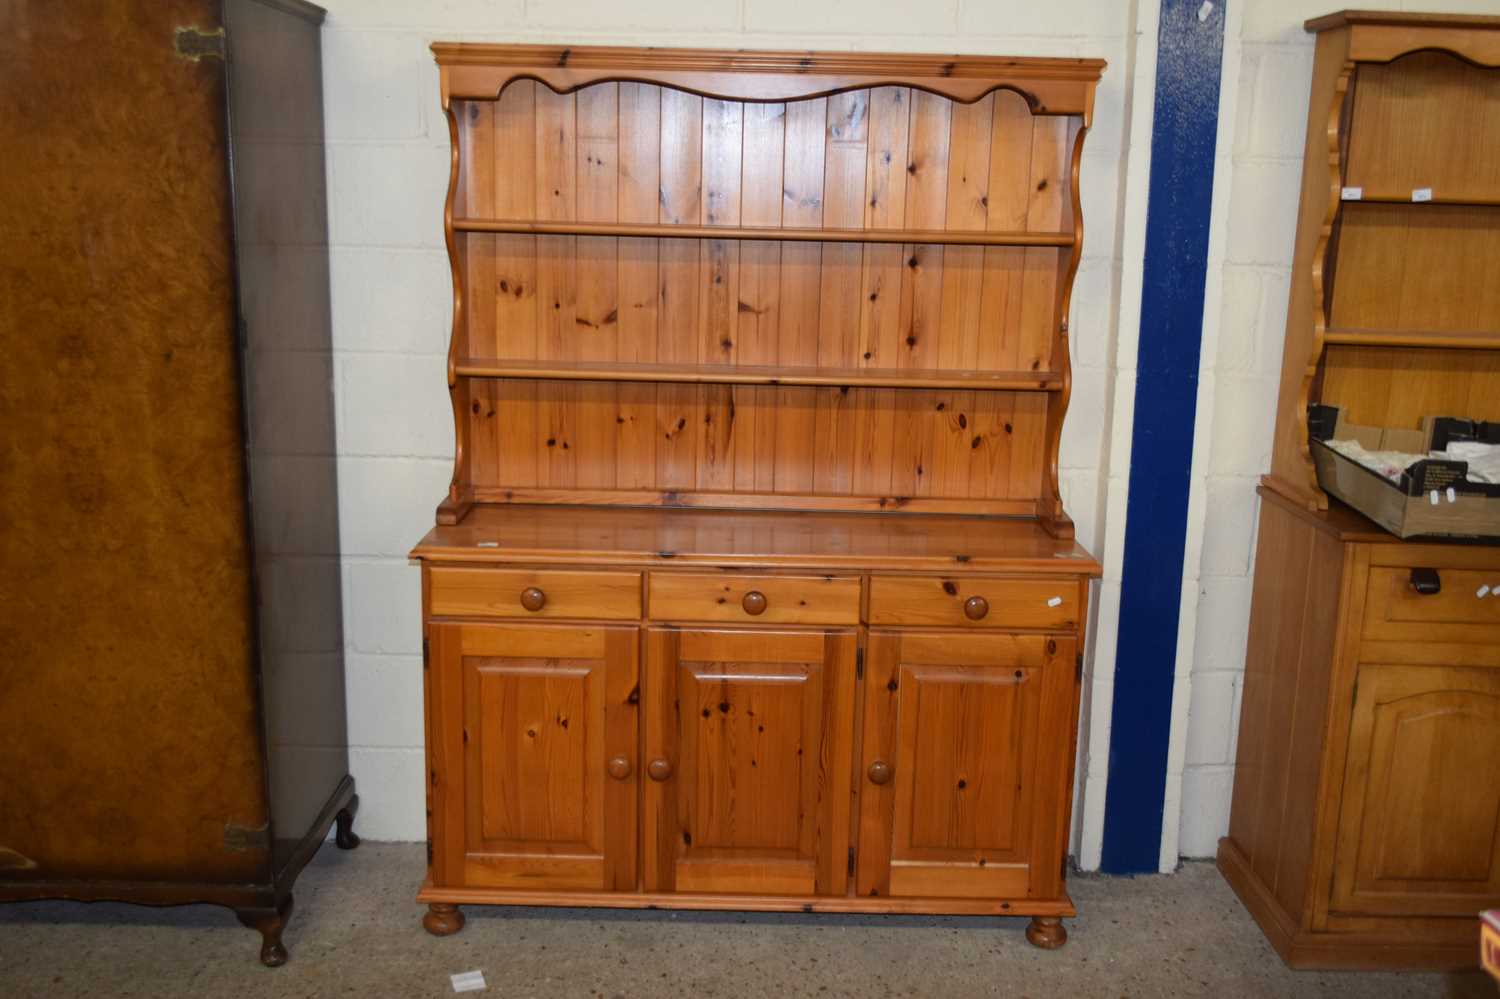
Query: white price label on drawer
point(1421, 194)
point(1352, 194)
point(1055, 602)
point(1483, 591)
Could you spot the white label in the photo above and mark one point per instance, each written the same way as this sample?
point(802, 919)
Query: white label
point(487, 544)
point(1482, 592)
point(1452, 496)
point(1432, 497)
point(1352, 193)
point(1055, 602)
point(1206, 9)
point(468, 981)
point(1421, 194)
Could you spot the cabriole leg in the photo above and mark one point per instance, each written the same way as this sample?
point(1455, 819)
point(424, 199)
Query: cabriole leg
point(344, 835)
point(270, 923)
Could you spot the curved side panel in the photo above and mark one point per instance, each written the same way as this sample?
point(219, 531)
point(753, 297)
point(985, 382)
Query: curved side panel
point(1049, 505)
point(460, 495)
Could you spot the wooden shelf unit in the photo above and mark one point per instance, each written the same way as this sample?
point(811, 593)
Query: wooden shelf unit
point(859, 294)
point(1366, 807)
point(1400, 105)
point(759, 368)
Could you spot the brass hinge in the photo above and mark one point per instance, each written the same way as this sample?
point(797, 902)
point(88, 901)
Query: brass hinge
point(851, 861)
point(196, 44)
point(426, 648)
point(1078, 667)
point(429, 853)
point(859, 664)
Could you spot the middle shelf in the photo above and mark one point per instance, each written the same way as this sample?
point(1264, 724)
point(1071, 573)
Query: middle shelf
point(732, 374)
point(947, 237)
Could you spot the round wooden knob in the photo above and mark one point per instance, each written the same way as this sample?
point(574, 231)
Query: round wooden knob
point(975, 608)
point(659, 770)
point(619, 768)
point(754, 602)
point(533, 599)
point(880, 772)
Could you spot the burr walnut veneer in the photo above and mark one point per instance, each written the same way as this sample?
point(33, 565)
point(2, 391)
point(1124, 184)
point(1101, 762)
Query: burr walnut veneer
point(754, 588)
point(1365, 825)
point(171, 652)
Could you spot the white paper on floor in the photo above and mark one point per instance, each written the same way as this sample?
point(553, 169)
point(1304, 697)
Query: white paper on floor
point(468, 981)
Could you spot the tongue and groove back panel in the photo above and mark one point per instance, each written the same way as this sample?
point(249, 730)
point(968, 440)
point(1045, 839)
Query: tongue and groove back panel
point(893, 159)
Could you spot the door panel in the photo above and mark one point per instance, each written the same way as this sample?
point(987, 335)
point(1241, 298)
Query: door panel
point(967, 741)
point(749, 736)
point(1420, 830)
point(527, 719)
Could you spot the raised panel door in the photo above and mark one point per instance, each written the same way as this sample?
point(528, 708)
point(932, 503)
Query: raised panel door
point(533, 733)
point(966, 753)
point(1419, 832)
point(748, 749)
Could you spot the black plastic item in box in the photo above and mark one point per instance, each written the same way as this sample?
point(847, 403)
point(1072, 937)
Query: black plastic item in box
point(1425, 475)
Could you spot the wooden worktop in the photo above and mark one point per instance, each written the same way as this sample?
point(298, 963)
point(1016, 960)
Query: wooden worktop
point(511, 533)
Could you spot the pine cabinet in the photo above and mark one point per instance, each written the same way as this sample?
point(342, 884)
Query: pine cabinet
point(753, 579)
point(1365, 817)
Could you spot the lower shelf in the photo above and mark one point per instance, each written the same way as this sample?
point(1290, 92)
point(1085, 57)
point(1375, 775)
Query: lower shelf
point(1058, 907)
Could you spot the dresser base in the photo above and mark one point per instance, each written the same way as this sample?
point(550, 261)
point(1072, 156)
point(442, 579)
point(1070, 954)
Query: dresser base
point(1439, 944)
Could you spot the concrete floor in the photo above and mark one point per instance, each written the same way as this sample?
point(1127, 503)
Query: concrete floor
point(356, 933)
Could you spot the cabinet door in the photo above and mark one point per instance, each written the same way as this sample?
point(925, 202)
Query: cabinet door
point(966, 764)
point(748, 748)
point(533, 758)
point(1419, 829)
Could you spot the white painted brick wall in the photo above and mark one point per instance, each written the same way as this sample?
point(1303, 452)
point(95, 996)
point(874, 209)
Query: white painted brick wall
point(387, 172)
point(1270, 109)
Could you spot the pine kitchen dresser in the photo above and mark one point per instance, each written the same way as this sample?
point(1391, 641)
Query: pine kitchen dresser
point(753, 588)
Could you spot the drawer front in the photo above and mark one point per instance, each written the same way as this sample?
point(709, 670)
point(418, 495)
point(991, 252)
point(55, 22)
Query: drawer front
point(534, 593)
point(725, 597)
point(974, 602)
point(1465, 609)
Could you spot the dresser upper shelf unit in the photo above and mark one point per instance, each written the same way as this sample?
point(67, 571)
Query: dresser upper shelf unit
point(1394, 313)
point(786, 281)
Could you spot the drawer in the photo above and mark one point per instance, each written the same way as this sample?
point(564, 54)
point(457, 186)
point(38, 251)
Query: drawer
point(1465, 608)
point(694, 596)
point(974, 601)
point(534, 593)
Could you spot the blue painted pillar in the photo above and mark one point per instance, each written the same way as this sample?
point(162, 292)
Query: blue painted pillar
point(1183, 141)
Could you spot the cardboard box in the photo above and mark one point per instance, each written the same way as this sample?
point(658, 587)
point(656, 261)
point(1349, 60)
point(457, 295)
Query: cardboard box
point(1433, 498)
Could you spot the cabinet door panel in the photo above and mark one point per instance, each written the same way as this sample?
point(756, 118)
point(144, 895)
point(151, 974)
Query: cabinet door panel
point(752, 735)
point(967, 740)
point(1420, 830)
point(524, 721)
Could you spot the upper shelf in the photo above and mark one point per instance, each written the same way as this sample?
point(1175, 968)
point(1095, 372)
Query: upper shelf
point(931, 236)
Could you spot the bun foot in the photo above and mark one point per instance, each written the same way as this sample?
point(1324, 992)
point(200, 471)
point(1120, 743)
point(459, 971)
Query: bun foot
point(1046, 932)
point(442, 919)
point(270, 923)
point(344, 835)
